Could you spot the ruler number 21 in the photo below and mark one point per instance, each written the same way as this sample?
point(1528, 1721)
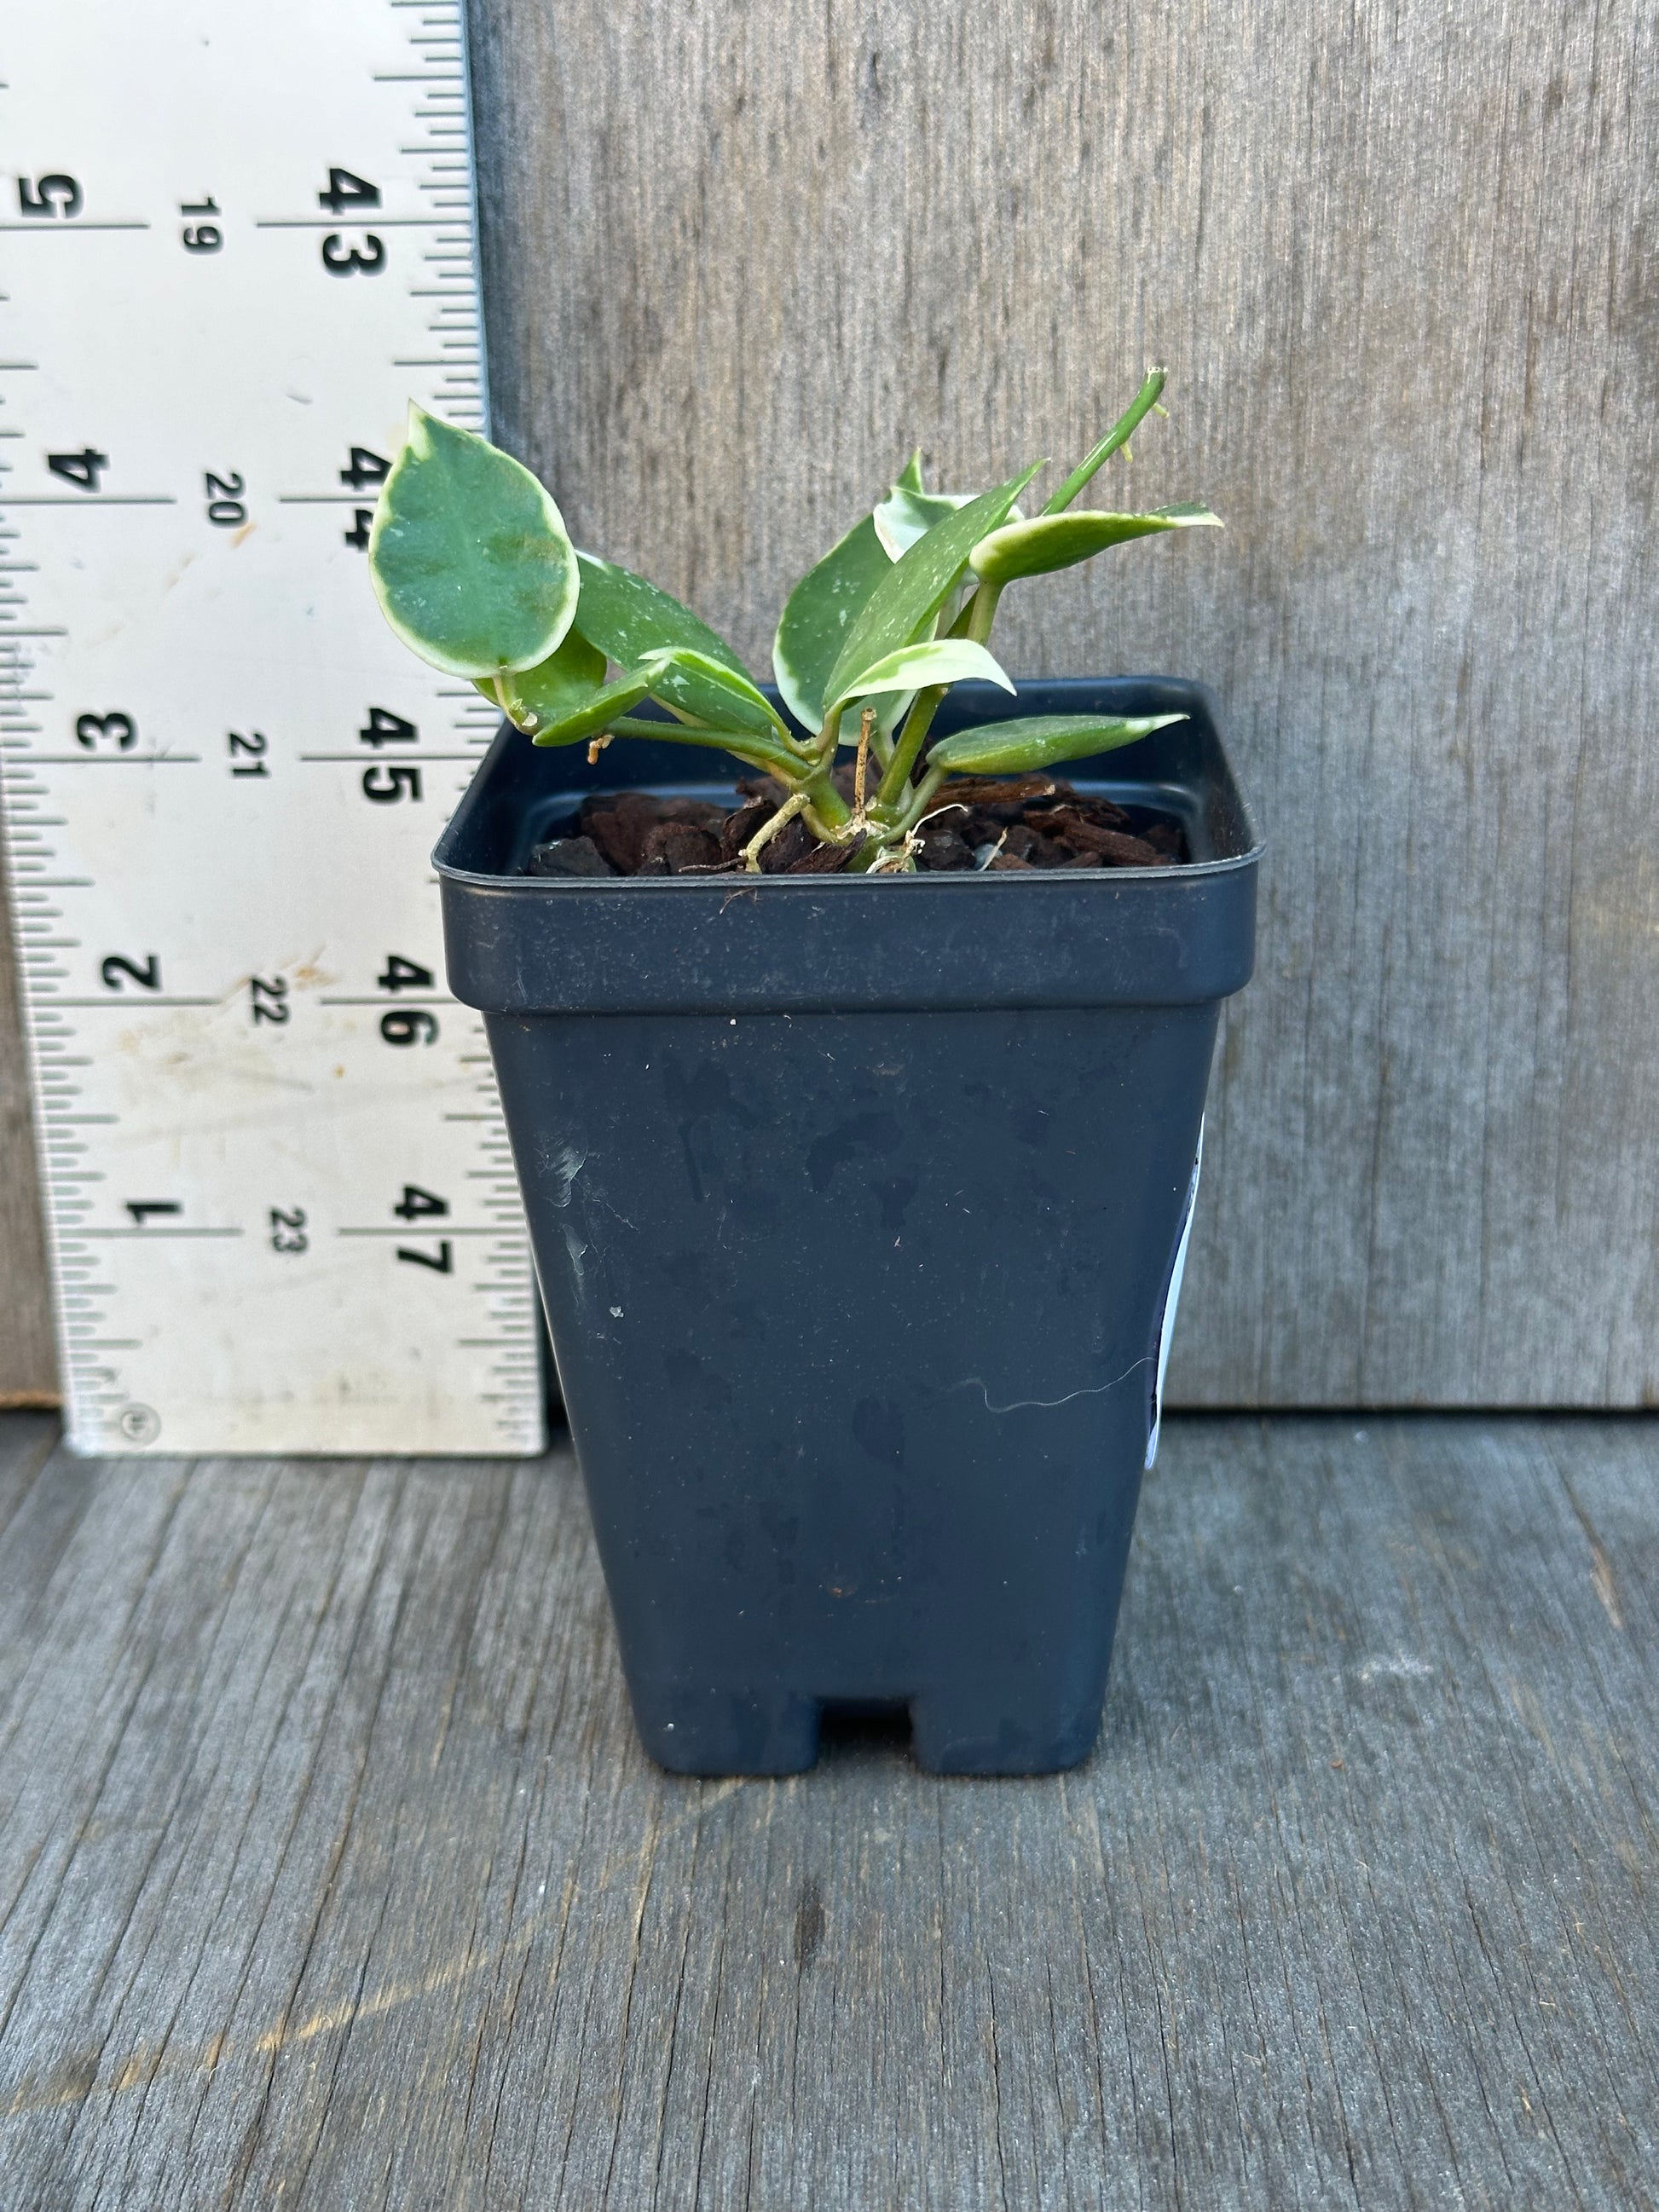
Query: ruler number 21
point(346, 193)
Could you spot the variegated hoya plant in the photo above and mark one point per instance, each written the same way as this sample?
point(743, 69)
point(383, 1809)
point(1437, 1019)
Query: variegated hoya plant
point(475, 571)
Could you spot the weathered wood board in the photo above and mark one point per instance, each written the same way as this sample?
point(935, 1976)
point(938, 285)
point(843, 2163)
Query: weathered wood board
point(331, 1873)
point(1401, 264)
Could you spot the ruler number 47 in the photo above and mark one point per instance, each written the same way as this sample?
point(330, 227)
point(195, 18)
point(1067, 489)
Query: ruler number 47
point(418, 1205)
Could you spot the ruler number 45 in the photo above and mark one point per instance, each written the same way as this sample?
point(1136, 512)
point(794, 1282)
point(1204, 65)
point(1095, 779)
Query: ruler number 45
point(346, 194)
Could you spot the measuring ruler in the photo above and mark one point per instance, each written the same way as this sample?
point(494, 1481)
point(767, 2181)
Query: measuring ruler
point(237, 240)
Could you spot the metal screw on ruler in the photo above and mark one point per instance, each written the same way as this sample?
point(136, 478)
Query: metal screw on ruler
point(281, 1214)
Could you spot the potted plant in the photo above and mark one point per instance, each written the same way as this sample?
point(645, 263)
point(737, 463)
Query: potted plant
point(855, 1065)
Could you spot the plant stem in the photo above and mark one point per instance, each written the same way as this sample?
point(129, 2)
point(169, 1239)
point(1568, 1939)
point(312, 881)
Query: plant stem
point(895, 780)
point(746, 746)
point(770, 828)
point(1120, 434)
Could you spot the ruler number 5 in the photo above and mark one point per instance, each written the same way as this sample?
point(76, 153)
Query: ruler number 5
point(48, 196)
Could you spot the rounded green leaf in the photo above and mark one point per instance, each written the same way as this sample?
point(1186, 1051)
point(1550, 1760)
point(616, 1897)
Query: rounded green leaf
point(1059, 541)
point(555, 687)
point(1035, 741)
point(626, 616)
point(939, 660)
point(816, 619)
point(468, 554)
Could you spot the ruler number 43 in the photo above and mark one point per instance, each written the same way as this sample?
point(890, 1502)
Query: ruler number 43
point(346, 194)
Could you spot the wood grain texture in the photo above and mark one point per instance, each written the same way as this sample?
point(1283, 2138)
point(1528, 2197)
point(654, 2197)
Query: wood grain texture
point(1400, 261)
point(331, 1873)
point(29, 1352)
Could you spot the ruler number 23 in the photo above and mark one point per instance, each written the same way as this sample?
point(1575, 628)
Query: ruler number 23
point(346, 193)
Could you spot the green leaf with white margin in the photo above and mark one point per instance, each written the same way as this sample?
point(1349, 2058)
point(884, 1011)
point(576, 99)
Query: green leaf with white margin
point(1035, 741)
point(598, 713)
point(627, 617)
point(733, 703)
point(905, 516)
point(916, 587)
point(468, 554)
point(532, 698)
point(1061, 541)
point(816, 619)
point(909, 477)
point(939, 660)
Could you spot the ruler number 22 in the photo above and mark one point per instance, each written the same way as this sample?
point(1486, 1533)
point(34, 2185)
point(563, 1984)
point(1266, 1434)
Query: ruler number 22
point(346, 193)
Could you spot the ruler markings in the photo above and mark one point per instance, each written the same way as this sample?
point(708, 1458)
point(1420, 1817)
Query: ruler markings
point(306, 1116)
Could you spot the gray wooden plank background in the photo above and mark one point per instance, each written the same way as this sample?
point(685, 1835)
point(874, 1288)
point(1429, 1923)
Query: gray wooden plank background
point(332, 1874)
point(1400, 261)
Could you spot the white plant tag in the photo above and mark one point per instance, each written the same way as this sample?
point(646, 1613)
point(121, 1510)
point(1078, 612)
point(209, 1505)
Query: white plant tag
point(1172, 1300)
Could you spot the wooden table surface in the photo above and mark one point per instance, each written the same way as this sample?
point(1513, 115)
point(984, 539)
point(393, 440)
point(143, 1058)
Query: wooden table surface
point(331, 1874)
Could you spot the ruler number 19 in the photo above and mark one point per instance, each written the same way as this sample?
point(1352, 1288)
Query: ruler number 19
point(200, 237)
point(346, 193)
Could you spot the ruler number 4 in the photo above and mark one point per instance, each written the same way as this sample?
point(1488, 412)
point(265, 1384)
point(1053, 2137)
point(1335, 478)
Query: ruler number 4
point(345, 194)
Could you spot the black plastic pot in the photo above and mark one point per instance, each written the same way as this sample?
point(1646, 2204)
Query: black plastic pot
point(855, 1203)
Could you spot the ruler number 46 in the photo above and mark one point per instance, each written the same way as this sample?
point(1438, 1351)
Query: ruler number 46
point(346, 193)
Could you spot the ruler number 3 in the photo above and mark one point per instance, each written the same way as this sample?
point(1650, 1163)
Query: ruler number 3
point(345, 193)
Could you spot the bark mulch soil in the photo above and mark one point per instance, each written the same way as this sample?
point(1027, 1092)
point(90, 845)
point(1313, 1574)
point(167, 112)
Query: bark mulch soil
point(995, 824)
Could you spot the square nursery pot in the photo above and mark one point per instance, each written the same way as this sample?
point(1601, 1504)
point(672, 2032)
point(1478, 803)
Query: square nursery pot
point(860, 1206)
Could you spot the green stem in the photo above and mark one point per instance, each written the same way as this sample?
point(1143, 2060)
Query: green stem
point(974, 622)
point(1120, 434)
point(897, 777)
point(826, 802)
point(921, 798)
point(745, 744)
